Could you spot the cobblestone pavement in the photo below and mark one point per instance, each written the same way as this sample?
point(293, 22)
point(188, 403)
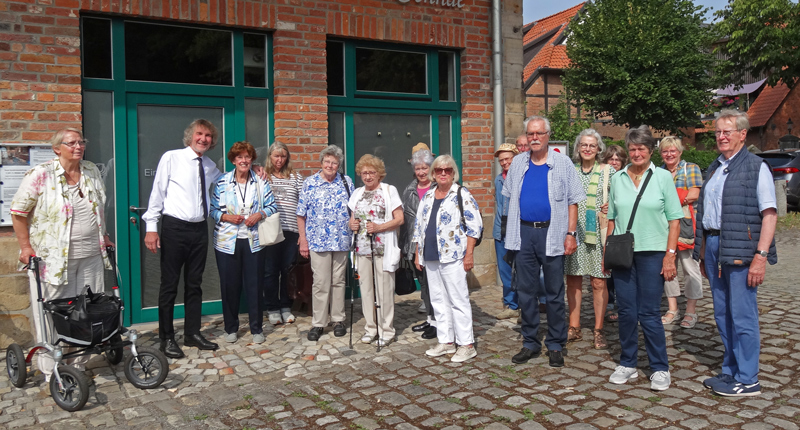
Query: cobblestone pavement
point(290, 383)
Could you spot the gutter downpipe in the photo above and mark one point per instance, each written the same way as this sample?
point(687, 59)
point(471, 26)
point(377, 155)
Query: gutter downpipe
point(497, 84)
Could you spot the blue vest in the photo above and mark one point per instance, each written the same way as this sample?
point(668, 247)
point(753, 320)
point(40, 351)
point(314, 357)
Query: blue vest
point(741, 219)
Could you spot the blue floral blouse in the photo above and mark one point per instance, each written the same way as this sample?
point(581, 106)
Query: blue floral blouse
point(324, 205)
point(452, 239)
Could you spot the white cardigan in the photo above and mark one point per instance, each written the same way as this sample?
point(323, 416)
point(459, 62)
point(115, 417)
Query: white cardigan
point(391, 250)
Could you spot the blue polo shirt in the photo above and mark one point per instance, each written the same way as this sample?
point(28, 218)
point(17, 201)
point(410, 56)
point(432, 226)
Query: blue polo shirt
point(534, 203)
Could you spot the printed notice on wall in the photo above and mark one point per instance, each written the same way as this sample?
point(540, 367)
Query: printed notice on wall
point(17, 158)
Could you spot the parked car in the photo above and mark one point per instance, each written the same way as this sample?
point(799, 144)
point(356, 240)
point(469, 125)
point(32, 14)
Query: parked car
point(785, 164)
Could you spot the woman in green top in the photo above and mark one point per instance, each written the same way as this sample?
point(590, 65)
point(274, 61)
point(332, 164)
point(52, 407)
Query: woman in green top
point(655, 231)
point(588, 258)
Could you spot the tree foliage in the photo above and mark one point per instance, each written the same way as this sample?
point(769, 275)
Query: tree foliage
point(763, 36)
point(562, 125)
point(641, 61)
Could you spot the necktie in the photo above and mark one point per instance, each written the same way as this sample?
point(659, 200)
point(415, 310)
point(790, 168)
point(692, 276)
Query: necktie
point(203, 186)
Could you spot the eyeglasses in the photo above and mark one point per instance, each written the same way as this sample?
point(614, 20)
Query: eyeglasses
point(75, 143)
point(445, 170)
point(333, 163)
point(590, 146)
point(535, 134)
point(372, 173)
point(244, 157)
point(726, 133)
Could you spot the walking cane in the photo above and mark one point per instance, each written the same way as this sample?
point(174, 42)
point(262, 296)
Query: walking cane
point(375, 290)
point(352, 287)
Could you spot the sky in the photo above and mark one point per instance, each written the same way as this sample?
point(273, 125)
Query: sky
point(533, 10)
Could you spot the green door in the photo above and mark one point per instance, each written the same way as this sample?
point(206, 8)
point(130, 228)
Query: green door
point(155, 124)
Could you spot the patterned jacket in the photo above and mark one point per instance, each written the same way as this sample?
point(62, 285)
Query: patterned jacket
point(224, 201)
point(452, 239)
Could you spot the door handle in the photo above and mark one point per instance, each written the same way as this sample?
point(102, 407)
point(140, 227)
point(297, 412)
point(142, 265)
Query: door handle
point(135, 209)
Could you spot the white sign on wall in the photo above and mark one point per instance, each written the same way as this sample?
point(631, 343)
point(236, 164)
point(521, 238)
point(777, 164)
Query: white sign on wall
point(17, 158)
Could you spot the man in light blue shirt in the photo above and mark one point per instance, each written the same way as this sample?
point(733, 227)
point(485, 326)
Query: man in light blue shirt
point(544, 190)
point(736, 219)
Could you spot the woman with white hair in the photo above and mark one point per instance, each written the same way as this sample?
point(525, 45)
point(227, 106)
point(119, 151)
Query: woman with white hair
point(446, 238)
point(588, 258)
point(421, 160)
point(325, 237)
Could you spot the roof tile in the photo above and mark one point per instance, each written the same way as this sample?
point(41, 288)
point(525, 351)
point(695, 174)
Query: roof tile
point(766, 104)
point(550, 56)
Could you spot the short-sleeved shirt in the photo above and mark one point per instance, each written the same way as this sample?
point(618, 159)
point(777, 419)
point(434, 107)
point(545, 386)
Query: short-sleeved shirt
point(712, 197)
point(370, 207)
point(324, 205)
point(658, 206)
point(287, 192)
point(687, 175)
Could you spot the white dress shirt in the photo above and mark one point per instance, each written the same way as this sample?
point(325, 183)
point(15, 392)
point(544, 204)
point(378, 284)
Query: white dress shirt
point(176, 188)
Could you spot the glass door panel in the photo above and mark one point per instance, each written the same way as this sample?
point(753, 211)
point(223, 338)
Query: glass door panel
point(156, 125)
point(390, 137)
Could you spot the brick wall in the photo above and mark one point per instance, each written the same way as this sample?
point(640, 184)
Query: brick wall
point(766, 138)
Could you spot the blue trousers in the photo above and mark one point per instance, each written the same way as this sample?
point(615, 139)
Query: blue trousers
point(530, 258)
point(242, 270)
point(736, 313)
point(639, 291)
point(509, 296)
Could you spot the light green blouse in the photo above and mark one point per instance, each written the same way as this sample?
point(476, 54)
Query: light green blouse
point(659, 205)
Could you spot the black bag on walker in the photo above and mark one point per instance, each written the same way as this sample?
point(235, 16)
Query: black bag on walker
point(85, 320)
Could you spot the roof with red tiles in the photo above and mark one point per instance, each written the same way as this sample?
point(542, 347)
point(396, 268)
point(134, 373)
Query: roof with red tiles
point(767, 103)
point(545, 36)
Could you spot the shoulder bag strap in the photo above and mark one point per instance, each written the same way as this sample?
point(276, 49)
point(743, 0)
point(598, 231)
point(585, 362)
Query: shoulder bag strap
point(638, 197)
point(347, 190)
point(461, 208)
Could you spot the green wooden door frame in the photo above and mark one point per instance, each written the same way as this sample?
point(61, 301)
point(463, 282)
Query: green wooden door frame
point(129, 170)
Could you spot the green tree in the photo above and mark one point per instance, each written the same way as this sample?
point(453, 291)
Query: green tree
point(763, 36)
point(641, 61)
point(562, 126)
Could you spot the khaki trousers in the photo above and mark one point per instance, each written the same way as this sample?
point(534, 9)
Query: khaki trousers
point(384, 282)
point(80, 272)
point(327, 288)
point(692, 279)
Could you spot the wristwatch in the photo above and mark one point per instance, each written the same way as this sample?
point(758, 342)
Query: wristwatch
point(671, 251)
point(572, 233)
point(762, 253)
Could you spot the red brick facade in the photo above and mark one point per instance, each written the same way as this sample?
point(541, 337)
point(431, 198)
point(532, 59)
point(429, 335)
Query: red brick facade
point(40, 73)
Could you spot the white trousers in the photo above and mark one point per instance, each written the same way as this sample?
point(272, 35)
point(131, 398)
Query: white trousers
point(384, 283)
point(327, 288)
point(447, 283)
point(692, 279)
point(80, 272)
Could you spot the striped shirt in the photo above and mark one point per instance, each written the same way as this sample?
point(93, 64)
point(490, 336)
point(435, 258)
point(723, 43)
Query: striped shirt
point(286, 193)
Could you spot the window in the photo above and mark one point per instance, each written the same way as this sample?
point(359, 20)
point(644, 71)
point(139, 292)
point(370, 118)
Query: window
point(391, 71)
point(96, 48)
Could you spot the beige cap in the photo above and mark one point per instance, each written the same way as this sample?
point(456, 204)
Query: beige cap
point(506, 147)
point(419, 147)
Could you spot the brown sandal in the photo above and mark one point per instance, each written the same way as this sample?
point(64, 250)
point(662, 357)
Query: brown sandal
point(574, 333)
point(599, 339)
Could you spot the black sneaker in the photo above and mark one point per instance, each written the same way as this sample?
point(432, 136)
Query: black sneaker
point(556, 358)
point(339, 329)
point(314, 334)
point(524, 355)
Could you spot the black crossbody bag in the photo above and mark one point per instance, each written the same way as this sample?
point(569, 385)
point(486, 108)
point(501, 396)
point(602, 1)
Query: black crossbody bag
point(619, 247)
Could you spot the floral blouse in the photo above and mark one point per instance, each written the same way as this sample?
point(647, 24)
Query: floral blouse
point(43, 197)
point(452, 243)
point(324, 205)
point(370, 207)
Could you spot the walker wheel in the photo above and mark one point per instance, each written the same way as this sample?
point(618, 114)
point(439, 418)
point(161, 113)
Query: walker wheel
point(148, 369)
point(75, 392)
point(16, 365)
point(115, 355)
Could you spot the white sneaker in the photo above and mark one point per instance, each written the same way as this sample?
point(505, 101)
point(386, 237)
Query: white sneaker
point(623, 374)
point(367, 338)
point(659, 381)
point(287, 315)
point(441, 349)
point(421, 309)
point(463, 354)
point(230, 337)
point(259, 338)
point(275, 318)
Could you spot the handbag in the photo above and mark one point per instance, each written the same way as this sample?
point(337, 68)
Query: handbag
point(404, 281)
point(269, 228)
point(688, 223)
point(619, 247)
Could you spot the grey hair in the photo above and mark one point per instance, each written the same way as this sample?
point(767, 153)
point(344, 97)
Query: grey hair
point(536, 118)
point(187, 134)
point(740, 118)
point(444, 161)
point(601, 147)
point(333, 151)
point(670, 142)
point(55, 142)
point(421, 157)
point(640, 135)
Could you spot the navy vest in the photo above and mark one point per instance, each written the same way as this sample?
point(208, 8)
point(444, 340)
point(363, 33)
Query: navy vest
point(741, 220)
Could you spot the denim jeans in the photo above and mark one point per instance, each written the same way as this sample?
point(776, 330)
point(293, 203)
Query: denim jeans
point(509, 295)
point(241, 272)
point(277, 262)
point(639, 291)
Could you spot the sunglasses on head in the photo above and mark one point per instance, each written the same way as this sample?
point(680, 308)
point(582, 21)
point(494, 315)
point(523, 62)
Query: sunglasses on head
point(445, 170)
